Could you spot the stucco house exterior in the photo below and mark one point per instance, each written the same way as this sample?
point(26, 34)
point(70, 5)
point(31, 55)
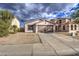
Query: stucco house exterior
point(57, 25)
point(38, 26)
point(73, 28)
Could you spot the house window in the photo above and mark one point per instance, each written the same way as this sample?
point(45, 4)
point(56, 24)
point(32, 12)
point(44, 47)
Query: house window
point(71, 27)
point(75, 27)
point(30, 27)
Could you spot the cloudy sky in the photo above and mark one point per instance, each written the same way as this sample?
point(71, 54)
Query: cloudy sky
point(26, 11)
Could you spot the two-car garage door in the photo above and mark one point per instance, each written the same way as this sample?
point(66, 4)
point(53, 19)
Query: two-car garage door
point(45, 28)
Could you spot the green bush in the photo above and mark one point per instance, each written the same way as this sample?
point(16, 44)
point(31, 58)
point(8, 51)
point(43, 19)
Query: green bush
point(21, 30)
point(3, 28)
point(3, 33)
point(5, 22)
point(13, 29)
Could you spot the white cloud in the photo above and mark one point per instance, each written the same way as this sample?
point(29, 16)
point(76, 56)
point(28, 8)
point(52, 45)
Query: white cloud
point(46, 15)
point(30, 6)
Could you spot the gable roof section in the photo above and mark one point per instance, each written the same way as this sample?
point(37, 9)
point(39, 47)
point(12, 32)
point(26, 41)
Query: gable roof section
point(31, 22)
point(44, 22)
point(36, 21)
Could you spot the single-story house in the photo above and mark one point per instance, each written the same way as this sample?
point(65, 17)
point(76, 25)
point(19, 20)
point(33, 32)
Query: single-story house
point(39, 26)
point(58, 25)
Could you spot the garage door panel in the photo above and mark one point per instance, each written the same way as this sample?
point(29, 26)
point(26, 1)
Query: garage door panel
point(45, 28)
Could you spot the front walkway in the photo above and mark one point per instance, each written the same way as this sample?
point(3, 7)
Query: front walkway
point(52, 44)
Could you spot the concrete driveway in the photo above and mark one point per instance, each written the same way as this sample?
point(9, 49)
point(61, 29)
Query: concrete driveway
point(52, 44)
point(61, 44)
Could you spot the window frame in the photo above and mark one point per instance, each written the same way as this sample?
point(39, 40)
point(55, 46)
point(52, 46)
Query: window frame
point(71, 27)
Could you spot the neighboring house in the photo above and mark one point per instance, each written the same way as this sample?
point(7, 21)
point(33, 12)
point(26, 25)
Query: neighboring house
point(15, 22)
point(57, 25)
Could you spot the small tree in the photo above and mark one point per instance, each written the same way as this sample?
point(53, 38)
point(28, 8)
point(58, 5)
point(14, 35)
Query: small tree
point(75, 14)
point(5, 22)
point(3, 28)
point(76, 20)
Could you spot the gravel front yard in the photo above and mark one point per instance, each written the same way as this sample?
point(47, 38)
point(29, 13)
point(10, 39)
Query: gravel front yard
point(20, 38)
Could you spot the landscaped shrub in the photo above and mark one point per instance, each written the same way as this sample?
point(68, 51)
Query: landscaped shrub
point(5, 22)
point(3, 33)
point(21, 30)
point(13, 29)
point(3, 28)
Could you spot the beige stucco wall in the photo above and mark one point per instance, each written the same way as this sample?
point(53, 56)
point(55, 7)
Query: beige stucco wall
point(77, 29)
point(73, 31)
